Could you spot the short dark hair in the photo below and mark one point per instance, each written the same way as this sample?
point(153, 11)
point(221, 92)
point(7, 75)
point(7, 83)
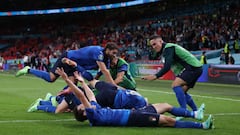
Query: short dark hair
point(79, 114)
point(111, 46)
point(154, 37)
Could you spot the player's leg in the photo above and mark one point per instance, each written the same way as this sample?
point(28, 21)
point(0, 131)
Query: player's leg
point(47, 108)
point(171, 122)
point(33, 106)
point(47, 76)
point(179, 91)
point(189, 100)
point(40, 104)
point(165, 107)
point(62, 107)
point(72, 100)
point(69, 62)
point(191, 80)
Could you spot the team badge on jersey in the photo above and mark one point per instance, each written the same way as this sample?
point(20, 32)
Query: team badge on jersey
point(100, 57)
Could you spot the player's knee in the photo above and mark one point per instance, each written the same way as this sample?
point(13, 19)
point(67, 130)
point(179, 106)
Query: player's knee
point(167, 106)
point(52, 78)
point(175, 84)
point(87, 76)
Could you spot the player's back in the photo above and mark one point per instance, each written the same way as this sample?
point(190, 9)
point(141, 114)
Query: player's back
point(129, 99)
point(87, 56)
point(107, 116)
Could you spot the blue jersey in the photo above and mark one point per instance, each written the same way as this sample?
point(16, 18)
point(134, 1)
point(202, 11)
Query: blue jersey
point(106, 116)
point(87, 57)
point(129, 99)
point(109, 95)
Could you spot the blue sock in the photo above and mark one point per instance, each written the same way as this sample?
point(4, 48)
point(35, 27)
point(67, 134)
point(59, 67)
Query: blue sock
point(190, 102)
point(180, 96)
point(187, 124)
point(88, 76)
point(41, 74)
point(45, 102)
point(47, 108)
point(181, 112)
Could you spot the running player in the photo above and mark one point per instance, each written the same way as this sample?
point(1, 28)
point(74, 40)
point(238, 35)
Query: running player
point(186, 67)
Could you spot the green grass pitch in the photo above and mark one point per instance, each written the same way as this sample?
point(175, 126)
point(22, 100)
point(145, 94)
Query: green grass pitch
point(16, 94)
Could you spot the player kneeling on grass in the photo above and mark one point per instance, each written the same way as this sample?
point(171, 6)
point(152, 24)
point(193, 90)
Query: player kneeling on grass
point(148, 116)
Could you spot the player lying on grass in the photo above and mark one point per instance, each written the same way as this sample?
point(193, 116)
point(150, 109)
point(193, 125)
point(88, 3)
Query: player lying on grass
point(64, 102)
point(148, 116)
point(108, 95)
point(115, 97)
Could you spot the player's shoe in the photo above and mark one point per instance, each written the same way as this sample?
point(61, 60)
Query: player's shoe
point(202, 107)
point(34, 105)
point(208, 124)
point(199, 114)
point(54, 101)
point(22, 71)
point(69, 62)
point(178, 118)
point(47, 97)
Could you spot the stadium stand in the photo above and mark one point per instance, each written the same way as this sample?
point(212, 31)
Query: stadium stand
point(208, 28)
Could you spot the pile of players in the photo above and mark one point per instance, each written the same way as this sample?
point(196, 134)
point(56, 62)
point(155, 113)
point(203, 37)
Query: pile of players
point(115, 102)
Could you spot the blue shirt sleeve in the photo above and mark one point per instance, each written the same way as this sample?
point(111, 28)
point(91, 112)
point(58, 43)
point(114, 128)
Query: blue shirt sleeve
point(98, 55)
point(124, 67)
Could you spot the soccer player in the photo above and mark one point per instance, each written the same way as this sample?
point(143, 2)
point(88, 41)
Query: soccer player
point(148, 116)
point(115, 97)
point(87, 58)
point(185, 66)
point(64, 102)
point(203, 58)
point(119, 70)
point(2, 61)
point(108, 95)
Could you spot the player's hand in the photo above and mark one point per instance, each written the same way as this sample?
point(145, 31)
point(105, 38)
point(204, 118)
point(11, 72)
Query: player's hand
point(150, 77)
point(61, 72)
point(78, 76)
point(69, 62)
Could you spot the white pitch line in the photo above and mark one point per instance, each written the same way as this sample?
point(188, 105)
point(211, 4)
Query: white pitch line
point(210, 97)
point(170, 93)
point(225, 114)
point(31, 121)
point(62, 120)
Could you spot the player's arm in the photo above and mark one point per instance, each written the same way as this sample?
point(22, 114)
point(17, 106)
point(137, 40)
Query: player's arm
point(79, 94)
point(105, 71)
point(98, 75)
point(119, 77)
point(121, 72)
point(166, 67)
point(90, 95)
